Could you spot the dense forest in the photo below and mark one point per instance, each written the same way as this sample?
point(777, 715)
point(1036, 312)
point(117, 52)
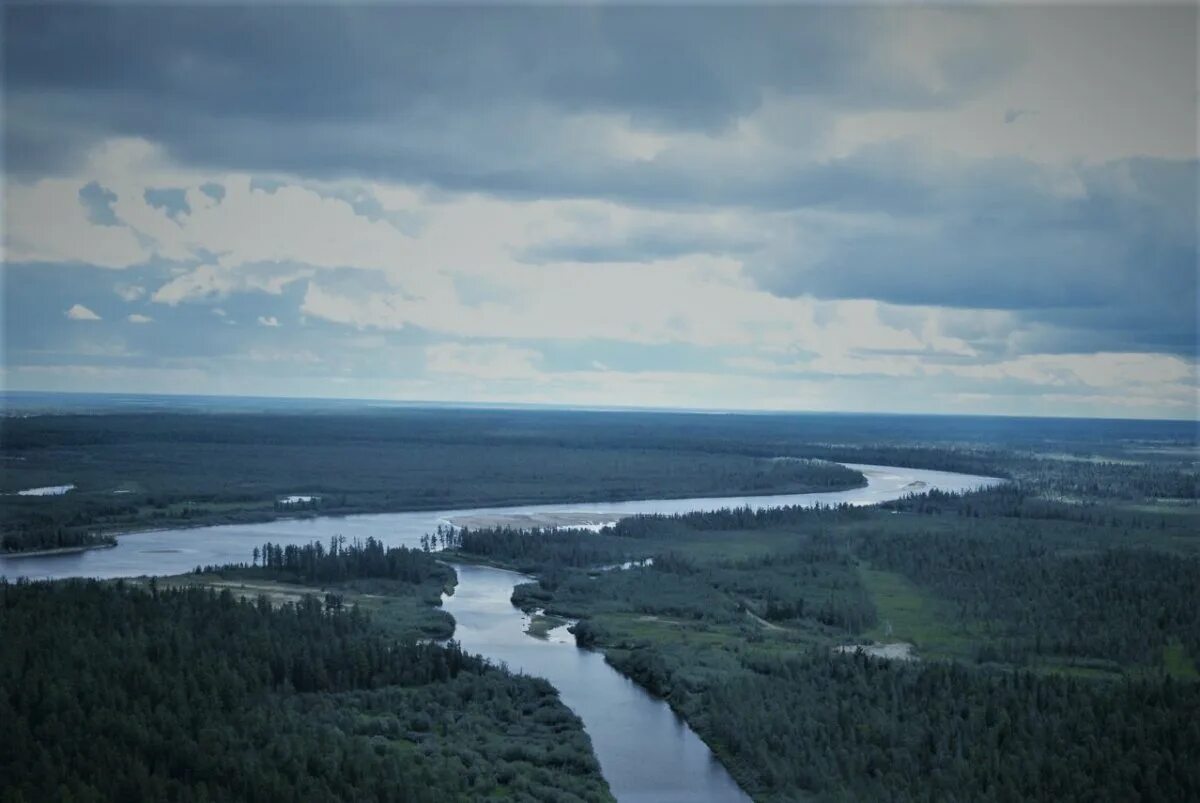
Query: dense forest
point(138, 470)
point(1121, 605)
point(862, 728)
point(44, 531)
point(401, 587)
point(1050, 620)
point(1057, 638)
point(341, 561)
point(112, 692)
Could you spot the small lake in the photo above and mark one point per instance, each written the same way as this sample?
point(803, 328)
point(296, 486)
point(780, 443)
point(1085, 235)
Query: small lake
point(646, 752)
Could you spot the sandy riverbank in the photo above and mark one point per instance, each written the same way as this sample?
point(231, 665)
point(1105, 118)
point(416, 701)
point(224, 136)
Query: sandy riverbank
point(525, 521)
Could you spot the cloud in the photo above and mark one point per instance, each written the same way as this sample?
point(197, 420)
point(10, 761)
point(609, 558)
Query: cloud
point(213, 282)
point(1115, 260)
point(139, 318)
point(802, 206)
point(47, 222)
point(1099, 370)
point(78, 312)
point(627, 235)
point(388, 73)
point(486, 362)
point(129, 292)
point(1012, 115)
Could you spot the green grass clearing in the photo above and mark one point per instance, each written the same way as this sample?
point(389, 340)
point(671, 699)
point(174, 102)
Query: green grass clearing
point(1178, 663)
point(907, 613)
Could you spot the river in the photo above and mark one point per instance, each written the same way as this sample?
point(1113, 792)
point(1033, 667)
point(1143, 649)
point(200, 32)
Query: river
point(646, 752)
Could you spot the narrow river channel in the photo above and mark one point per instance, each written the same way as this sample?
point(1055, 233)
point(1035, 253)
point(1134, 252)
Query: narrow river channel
point(646, 752)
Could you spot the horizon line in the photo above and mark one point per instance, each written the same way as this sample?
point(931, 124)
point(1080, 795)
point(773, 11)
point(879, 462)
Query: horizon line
point(564, 407)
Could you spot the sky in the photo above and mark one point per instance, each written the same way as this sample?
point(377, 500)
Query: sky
point(984, 209)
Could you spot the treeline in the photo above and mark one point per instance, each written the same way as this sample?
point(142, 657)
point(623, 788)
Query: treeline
point(1021, 501)
point(542, 550)
point(1005, 500)
point(109, 692)
point(1079, 476)
point(28, 539)
point(978, 460)
point(1111, 480)
point(860, 728)
point(659, 525)
point(341, 561)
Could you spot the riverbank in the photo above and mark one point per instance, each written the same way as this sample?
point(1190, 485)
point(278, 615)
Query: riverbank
point(65, 550)
point(646, 752)
point(529, 521)
point(474, 512)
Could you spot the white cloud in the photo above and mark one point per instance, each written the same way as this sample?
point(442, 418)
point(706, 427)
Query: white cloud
point(129, 292)
point(206, 281)
point(271, 355)
point(139, 318)
point(491, 362)
point(78, 312)
point(1100, 370)
point(1082, 102)
point(268, 320)
point(46, 222)
point(209, 282)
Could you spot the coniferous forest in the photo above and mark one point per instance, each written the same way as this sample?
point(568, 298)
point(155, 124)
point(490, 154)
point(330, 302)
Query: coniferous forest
point(1035, 640)
point(1052, 620)
point(119, 692)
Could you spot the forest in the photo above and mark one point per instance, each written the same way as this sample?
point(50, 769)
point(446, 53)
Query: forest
point(116, 691)
point(168, 469)
point(402, 588)
point(1048, 622)
point(1056, 638)
point(182, 465)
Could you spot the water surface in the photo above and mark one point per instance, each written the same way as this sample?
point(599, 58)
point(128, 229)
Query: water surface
point(183, 549)
point(646, 751)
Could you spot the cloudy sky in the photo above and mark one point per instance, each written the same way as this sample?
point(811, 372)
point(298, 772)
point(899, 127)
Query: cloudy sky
point(984, 210)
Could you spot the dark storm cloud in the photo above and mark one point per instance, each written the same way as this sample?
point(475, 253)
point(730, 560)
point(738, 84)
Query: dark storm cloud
point(277, 88)
point(641, 245)
point(1116, 259)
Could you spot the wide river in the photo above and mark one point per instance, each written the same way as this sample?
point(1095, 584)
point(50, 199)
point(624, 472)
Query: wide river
point(646, 752)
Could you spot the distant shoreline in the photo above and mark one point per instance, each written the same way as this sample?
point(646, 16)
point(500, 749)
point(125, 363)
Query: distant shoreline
point(265, 516)
point(62, 550)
